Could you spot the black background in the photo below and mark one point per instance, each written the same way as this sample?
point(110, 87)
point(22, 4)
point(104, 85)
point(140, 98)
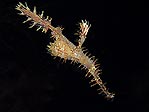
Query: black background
point(32, 81)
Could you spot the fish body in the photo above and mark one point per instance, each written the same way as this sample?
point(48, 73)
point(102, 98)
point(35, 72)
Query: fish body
point(63, 48)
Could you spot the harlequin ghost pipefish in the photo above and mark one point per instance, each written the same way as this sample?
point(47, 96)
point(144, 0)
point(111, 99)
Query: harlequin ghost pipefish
point(63, 48)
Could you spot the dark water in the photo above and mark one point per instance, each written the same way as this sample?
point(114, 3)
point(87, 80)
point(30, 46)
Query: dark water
point(32, 81)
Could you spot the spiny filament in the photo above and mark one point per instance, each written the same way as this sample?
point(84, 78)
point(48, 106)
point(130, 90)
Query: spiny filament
point(63, 48)
point(36, 19)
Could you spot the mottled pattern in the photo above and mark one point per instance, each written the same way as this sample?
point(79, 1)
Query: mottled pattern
point(63, 48)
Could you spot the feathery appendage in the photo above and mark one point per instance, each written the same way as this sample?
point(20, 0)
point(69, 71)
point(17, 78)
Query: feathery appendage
point(63, 48)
